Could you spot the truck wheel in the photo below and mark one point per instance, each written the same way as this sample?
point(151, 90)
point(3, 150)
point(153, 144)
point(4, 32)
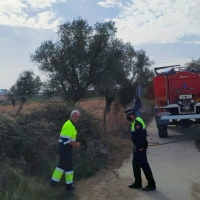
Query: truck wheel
point(162, 131)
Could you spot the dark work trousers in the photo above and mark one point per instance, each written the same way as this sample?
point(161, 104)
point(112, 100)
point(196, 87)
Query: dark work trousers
point(140, 161)
point(66, 158)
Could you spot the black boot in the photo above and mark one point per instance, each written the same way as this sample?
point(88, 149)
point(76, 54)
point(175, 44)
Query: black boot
point(135, 185)
point(53, 183)
point(150, 179)
point(69, 187)
point(149, 188)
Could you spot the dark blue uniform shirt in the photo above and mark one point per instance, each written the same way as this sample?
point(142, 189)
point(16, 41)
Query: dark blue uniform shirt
point(139, 136)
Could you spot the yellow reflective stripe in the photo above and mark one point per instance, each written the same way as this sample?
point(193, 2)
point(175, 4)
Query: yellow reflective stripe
point(64, 136)
point(70, 139)
point(57, 174)
point(133, 127)
point(139, 120)
point(68, 131)
point(67, 142)
point(69, 172)
point(59, 169)
point(69, 177)
point(69, 182)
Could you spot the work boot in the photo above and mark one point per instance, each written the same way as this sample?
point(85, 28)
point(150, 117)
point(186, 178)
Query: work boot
point(135, 186)
point(149, 188)
point(53, 183)
point(69, 187)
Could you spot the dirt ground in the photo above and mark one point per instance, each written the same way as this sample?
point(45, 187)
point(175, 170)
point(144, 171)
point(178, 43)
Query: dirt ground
point(106, 184)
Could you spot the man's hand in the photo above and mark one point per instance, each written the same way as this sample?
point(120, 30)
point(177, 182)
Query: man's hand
point(137, 126)
point(77, 144)
point(141, 149)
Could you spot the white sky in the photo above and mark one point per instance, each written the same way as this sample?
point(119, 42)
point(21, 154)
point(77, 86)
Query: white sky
point(168, 30)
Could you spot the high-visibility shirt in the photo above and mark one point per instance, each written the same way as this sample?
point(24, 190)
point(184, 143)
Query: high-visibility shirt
point(139, 133)
point(68, 133)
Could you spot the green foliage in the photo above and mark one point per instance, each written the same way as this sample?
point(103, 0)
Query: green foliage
point(30, 140)
point(88, 57)
point(16, 186)
point(26, 86)
point(80, 57)
point(195, 64)
point(126, 95)
point(139, 68)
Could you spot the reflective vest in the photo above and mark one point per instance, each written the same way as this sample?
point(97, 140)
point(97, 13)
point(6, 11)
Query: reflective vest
point(139, 120)
point(68, 132)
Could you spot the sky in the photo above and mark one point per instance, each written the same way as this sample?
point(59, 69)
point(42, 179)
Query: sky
point(168, 30)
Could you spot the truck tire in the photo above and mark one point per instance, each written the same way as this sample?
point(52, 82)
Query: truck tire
point(162, 131)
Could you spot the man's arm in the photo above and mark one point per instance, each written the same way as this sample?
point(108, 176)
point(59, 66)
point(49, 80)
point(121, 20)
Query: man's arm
point(141, 136)
point(76, 144)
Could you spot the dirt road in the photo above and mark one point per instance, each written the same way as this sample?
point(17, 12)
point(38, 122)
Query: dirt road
point(176, 169)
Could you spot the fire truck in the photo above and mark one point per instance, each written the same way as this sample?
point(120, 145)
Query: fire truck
point(177, 97)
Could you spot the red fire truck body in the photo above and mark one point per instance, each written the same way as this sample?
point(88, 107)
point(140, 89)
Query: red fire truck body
point(177, 98)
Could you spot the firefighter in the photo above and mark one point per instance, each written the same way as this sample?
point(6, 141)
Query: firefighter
point(66, 142)
point(138, 136)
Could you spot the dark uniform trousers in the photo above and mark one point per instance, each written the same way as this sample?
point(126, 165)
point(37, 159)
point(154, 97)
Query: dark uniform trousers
point(66, 158)
point(140, 161)
point(65, 165)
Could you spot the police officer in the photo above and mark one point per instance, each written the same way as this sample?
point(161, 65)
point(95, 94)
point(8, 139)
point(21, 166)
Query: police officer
point(138, 136)
point(66, 142)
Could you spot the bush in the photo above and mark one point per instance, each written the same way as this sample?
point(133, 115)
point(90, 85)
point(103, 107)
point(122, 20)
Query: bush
point(16, 186)
point(30, 140)
point(28, 149)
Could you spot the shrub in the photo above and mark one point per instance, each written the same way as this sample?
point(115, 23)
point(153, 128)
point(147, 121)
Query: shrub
point(30, 140)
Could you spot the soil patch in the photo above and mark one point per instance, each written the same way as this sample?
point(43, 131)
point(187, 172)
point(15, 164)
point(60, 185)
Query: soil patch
point(195, 191)
point(106, 185)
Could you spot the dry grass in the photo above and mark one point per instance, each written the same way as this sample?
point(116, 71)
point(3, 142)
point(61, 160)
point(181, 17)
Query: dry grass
point(115, 119)
point(26, 108)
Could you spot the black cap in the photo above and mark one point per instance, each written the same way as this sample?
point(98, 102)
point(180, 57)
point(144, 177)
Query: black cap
point(129, 111)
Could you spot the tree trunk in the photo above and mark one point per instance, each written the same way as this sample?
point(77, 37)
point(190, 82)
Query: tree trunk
point(20, 107)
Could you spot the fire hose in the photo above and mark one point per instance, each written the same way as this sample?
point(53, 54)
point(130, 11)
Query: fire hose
point(158, 144)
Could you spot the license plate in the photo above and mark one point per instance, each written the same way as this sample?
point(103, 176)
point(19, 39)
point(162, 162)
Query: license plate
point(163, 113)
point(187, 96)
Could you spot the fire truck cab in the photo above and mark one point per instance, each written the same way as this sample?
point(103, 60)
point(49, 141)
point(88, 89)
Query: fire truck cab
point(177, 97)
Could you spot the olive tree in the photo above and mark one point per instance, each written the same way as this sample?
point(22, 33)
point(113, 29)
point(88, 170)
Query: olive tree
point(26, 86)
point(79, 58)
